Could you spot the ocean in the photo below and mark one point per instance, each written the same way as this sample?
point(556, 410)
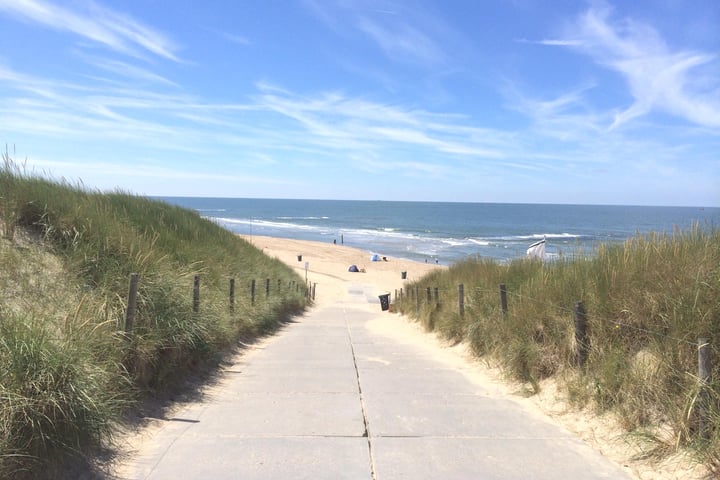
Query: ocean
point(445, 233)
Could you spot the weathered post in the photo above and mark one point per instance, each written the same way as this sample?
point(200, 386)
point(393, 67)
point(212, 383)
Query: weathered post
point(131, 305)
point(313, 291)
point(232, 295)
point(429, 295)
point(582, 345)
point(252, 292)
point(267, 287)
point(437, 296)
point(503, 299)
point(461, 299)
point(196, 294)
point(417, 299)
point(704, 369)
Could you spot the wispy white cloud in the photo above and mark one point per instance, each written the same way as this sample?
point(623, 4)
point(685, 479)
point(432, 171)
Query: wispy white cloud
point(568, 134)
point(567, 117)
point(323, 126)
point(402, 41)
point(236, 39)
point(148, 170)
point(552, 42)
point(278, 123)
point(660, 78)
point(230, 36)
point(129, 71)
point(117, 31)
point(336, 121)
point(405, 34)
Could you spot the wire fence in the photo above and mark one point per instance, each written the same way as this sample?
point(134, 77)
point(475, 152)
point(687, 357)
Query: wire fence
point(432, 294)
point(308, 290)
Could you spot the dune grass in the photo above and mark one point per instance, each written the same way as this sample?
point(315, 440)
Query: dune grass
point(648, 302)
point(67, 370)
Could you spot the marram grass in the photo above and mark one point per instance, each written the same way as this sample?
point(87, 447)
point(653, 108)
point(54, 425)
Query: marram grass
point(67, 369)
point(648, 302)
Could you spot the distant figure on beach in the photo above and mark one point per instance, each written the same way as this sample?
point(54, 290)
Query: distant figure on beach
point(334, 242)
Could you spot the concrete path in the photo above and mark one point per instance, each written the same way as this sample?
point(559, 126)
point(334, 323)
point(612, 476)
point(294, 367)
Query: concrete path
point(328, 399)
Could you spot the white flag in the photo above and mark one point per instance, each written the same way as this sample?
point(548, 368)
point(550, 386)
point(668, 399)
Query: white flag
point(537, 250)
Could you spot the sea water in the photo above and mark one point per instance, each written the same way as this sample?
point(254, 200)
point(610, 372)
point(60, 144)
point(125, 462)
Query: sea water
point(444, 233)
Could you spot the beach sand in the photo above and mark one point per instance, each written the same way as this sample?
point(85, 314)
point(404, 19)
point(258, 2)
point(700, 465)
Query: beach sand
point(328, 263)
point(327, 267)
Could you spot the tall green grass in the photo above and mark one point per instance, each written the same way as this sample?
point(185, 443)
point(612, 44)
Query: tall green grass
point(67, 371)
point(648, 302)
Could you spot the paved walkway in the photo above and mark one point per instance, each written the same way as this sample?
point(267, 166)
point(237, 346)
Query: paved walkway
point(328, 399)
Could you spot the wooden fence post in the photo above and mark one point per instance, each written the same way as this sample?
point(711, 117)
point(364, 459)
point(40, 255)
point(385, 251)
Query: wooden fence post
point(417, 299)
point(252, 291)
point(131, 305)
point(313, 291)
point(503, 299)
point(461, 299)
point(196, 294)
point(436, 294)
point(704, 369)
point(232, 295)
point(582, 345)
point(429, 295)
point(267, 287)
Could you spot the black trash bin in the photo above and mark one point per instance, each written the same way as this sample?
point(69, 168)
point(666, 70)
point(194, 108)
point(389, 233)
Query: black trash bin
point(299, 258)
point(384, 302)
point(403, 275)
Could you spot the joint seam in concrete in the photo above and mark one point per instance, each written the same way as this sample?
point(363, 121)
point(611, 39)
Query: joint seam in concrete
point(362, 401)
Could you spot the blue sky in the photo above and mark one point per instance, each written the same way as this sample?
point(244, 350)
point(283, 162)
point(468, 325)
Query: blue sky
point(450, 100)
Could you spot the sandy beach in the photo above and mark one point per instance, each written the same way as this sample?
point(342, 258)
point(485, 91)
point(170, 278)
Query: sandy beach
point(327, 266)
